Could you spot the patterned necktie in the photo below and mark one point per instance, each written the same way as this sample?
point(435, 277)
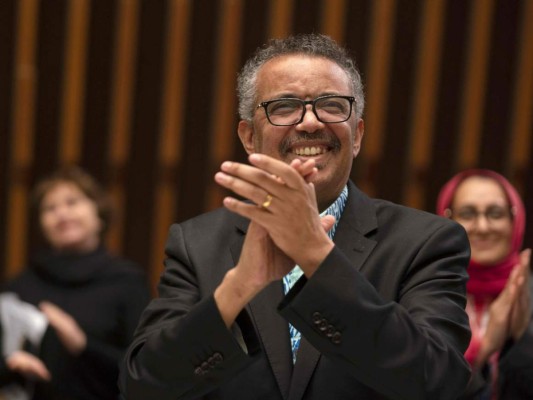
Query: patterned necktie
point(290, 279)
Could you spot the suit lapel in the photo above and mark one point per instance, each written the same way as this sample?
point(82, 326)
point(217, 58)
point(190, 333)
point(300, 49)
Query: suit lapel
point(271, 327)
point(306, 362)
point(274, 333)
point(358, 219)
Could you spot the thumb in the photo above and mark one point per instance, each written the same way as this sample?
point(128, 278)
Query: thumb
point(327, 222)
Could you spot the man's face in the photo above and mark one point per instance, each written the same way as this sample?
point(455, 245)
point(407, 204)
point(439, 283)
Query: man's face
point(333, 145)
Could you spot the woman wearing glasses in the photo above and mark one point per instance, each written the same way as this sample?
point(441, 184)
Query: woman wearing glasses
point(498, 291)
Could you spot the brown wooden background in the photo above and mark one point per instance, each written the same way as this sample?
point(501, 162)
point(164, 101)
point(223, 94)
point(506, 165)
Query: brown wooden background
point(141, 93)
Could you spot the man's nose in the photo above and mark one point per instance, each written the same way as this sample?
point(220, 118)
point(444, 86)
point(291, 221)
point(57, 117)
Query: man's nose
point(310, 122)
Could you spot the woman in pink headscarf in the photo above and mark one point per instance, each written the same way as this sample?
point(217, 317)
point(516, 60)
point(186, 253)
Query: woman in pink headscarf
point(498, 291)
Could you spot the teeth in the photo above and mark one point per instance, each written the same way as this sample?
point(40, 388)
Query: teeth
point(309, 151)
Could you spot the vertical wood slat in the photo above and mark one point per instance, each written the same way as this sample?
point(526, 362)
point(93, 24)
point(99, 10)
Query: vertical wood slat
point(193, 172)
point(333, 21)
point(223, 109)
point(22, 131)
point(280, 18)
point(472, 109)
point(142, 167)
point(428, 62)
point(379, 63)
point(121, 110)
point(521, 126)
point(74, 81)
point(170, 149)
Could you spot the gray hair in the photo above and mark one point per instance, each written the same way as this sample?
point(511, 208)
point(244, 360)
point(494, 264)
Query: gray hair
point(316, 45)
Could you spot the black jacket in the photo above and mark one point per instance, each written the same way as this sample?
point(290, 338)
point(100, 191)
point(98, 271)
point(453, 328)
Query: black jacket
point(382, 317)
point(105, 295)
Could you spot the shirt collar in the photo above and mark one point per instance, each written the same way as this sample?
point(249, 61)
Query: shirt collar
point(336, 209)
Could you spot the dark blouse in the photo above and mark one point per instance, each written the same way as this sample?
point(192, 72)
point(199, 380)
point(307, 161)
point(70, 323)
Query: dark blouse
point(105, 295)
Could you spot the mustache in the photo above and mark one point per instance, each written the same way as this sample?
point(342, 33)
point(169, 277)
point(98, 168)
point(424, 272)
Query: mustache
point(328, 139)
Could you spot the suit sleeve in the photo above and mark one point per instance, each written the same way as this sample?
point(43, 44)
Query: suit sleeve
point(182, 348)
point(405, 348)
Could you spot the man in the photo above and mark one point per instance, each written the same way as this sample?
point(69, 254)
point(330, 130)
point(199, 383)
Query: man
point(378, 311)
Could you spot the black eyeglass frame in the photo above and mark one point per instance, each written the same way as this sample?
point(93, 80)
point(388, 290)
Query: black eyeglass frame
point(449, 213)
point(304, 104)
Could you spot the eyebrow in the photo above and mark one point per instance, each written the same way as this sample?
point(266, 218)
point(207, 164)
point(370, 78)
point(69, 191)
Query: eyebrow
point(470, 206)
point(290, 95)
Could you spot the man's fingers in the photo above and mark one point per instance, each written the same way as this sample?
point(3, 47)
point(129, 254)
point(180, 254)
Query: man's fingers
point(327, 222)
point(278, 168)
point(243, 188)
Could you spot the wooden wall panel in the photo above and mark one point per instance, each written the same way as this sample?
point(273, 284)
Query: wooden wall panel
point(121, 111)
point(141, 93)
point(170, 151)
point(223, 113)
point(142, 169)
point(427, 68)
point(9, 54)
point(22, 134)
point(360, 17)
point(447, 136)
point(51, 28)
point(73, 82)
point(194, 170)
point(377, 73)
point(475, 83)
point(498, 99)
point(101, 48)
point(521, 128)
point(306, 16)
point(261, 20)
point(522, 123)
point(391, 169)
point(281, 14)
point(333, 19)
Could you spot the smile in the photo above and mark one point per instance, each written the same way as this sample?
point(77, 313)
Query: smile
point(310, 151)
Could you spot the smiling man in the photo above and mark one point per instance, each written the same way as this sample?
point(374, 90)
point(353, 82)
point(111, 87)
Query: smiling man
point(307, 289)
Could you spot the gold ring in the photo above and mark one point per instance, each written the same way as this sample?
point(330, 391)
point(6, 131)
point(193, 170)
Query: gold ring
point(267, 202)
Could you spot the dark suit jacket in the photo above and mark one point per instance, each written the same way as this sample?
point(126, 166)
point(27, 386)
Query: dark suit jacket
point(382, 318)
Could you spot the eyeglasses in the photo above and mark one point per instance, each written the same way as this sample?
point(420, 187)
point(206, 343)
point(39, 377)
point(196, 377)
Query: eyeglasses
point(291, 111)
point(493, 214)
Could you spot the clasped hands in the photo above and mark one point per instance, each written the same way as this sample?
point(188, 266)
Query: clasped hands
point(510, 312)
point(285, 229)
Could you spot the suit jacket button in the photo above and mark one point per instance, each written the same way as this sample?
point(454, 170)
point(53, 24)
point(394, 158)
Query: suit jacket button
point(211, 362)
point(317, 318)
point(217, 357)
point(336, 338)
point(199, 371)
point(205, 366)
point(330, 331)
point(323, 325)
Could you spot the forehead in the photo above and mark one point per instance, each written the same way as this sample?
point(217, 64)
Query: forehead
point(303, 76)
point(60, 189)
point(479, 191)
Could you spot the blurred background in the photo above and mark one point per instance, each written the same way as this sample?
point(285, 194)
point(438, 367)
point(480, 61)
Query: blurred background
point(141, 93)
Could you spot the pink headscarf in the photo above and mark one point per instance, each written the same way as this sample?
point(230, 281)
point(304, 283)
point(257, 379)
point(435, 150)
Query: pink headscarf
point(489, 281)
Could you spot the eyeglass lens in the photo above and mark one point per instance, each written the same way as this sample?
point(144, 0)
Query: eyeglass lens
point(493, 214)
point(291, 111)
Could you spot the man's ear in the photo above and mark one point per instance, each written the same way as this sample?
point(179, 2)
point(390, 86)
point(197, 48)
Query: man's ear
point(246, 134)
point(358, 137)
